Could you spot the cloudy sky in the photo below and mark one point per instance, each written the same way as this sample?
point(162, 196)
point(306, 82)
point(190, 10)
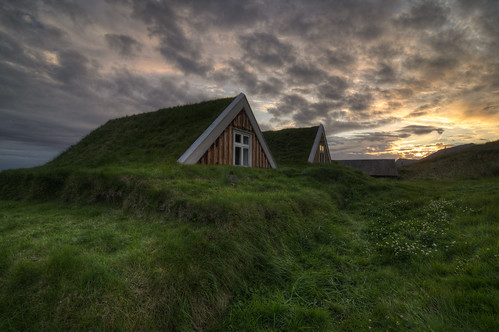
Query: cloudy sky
point(387, 78)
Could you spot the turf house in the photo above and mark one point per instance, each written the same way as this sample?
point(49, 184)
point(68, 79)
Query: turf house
point(299, 145)
point(222, 131)
point(234, 138)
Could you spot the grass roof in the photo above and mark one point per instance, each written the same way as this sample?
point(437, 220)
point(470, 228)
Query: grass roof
point(154, 137)
point(292, 145)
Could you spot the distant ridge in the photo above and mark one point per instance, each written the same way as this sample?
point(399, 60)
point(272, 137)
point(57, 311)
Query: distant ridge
point(470, 161)
point(446, 151)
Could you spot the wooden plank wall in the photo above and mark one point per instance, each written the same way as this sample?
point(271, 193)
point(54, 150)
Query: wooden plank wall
point(221, 151)
point(327, 156)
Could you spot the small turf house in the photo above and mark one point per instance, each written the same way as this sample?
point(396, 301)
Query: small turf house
point(222, 131)
point(234, 138)
point(299, 145)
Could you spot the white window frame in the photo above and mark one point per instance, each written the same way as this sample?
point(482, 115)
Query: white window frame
point(322, 155)
point(242, 146)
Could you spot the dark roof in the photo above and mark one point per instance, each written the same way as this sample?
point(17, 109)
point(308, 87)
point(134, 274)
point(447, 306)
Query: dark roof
point(291, 145)
point(373, 167)
point(154, 137)
point(404, 162)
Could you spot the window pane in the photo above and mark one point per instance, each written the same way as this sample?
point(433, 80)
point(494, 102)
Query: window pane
point(238, 138)
point(246, 140)
point(237, 156)
point(245, 157)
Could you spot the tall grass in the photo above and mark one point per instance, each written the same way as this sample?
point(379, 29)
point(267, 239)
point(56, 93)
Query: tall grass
point(192, 248)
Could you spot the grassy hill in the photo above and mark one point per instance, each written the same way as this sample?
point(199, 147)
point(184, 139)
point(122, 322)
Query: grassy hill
point(473, 162)
point(115, 235)
point(446, 151)
point(186, 248)
point(148, 138)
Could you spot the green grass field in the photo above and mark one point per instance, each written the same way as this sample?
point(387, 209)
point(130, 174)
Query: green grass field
point(186, 248)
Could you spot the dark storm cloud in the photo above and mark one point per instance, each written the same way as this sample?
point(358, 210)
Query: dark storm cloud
point(450, 42)
point(76, 70)
point(339, 59)
point(175, 45)
point(419, 130)
point(288, 105)
point(484, 14)
point(335, 21)
point(70, 8)
point(385, 51)
point(385, 73)
point(248, 81)
point(316, 113)
point(359, 101)
point(334, 88)
point(340, 126)
point(21, 20)
point(266, 50)
point(19, 128)
point(270, 87)
point(129, 88)
point(305, 73)
point(432, 68)
point(423, 15)
point(225, 13)
point(123, 44)
point(51, 96)
point(420, 111)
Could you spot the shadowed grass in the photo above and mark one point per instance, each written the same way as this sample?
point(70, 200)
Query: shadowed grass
point(188, 248)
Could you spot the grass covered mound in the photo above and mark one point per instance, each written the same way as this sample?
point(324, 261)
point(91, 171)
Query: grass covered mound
point(474, 162)
point(185, 248)
point(155, 137)
point(291, 146)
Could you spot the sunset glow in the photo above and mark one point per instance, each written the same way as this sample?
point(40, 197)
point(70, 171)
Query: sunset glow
point(387, 79)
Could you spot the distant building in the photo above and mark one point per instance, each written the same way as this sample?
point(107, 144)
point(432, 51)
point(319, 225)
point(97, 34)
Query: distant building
point(299, 145)
point(373, 167)
point(404, 162)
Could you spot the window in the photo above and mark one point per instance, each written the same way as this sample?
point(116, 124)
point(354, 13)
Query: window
point(321, 154)
point(242, 148)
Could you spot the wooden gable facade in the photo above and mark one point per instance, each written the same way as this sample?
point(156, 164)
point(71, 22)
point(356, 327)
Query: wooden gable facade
point(222, 150)
point(320, 149)
point(219, 143)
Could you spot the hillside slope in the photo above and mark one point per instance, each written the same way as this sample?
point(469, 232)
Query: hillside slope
point(448, 151)
point(223, 248)
point(291, 146)
point(473, 162)
point(147, 138)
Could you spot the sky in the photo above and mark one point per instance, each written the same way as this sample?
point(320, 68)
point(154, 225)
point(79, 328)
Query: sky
point(387, 79)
